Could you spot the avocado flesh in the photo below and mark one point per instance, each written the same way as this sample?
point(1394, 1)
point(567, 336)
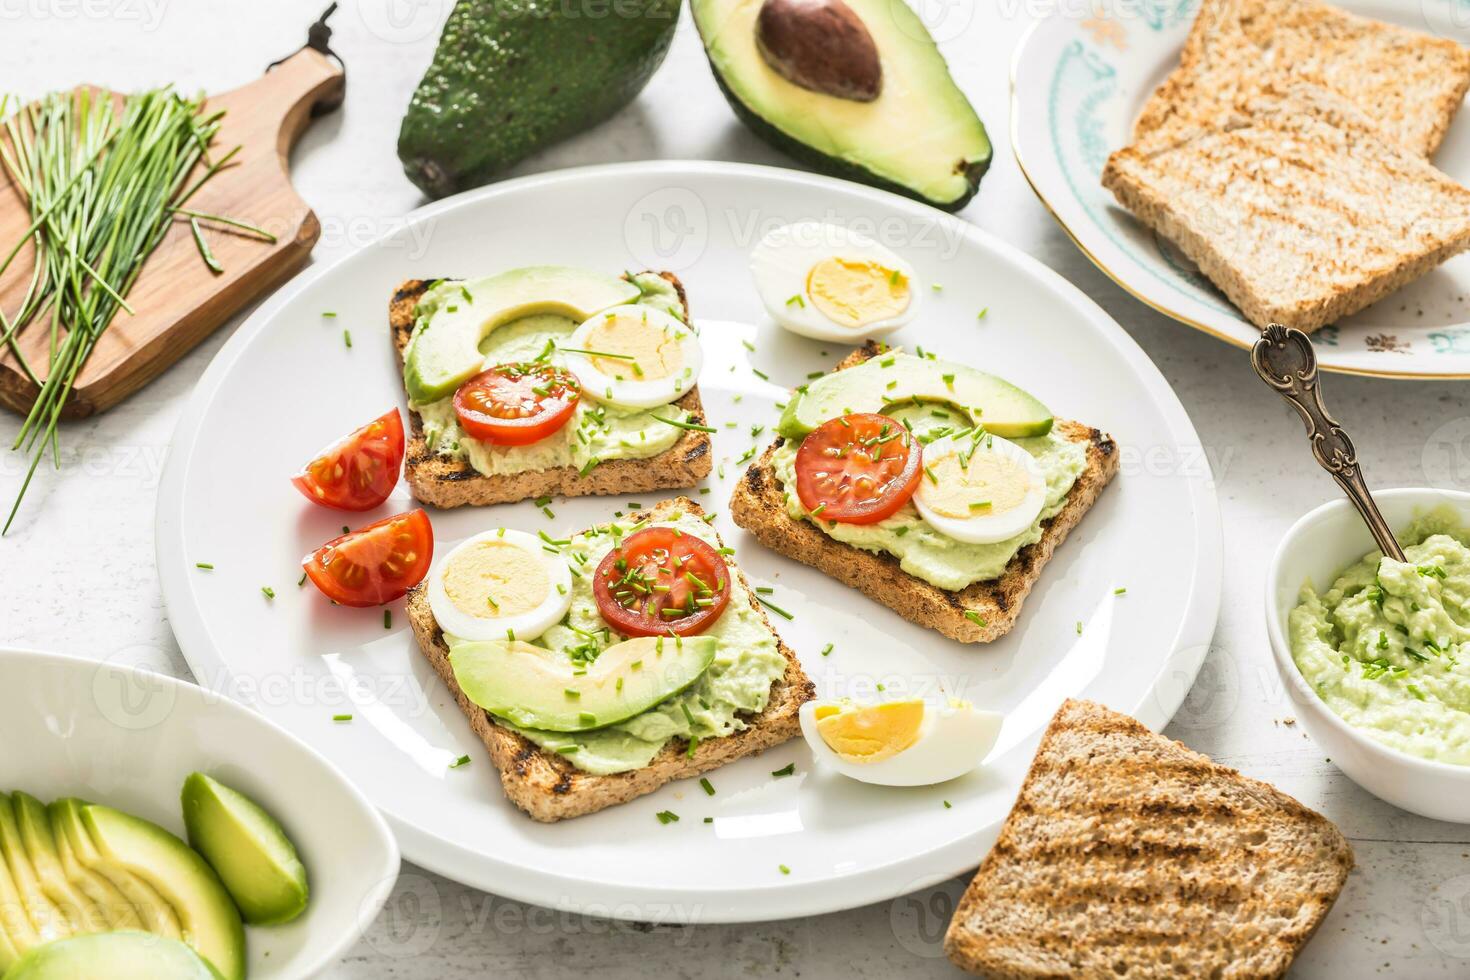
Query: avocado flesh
point(444, 351)
point(920, 137)
point(118, 909)
point(154, 913)
point(17, 935)
point(533, 687)
point(207, 917)
point(510, 77)
point(247, 848)
point(1000, 406)
point(82, 913)
point(123, 955)
point(47, 919)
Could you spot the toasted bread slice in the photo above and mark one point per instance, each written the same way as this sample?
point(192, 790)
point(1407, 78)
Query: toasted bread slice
point(1128, 855)
point(1409, 83)
point(444, 481)
point(759, 506)
point(549, 788)
point(1298, 210)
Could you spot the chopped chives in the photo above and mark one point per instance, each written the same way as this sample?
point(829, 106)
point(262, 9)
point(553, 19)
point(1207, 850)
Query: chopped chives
point(387, 619)
point(787, 770)
point(463, 760)
point(827, 650)
point(347, 338)
point(974, 617)
point(774, 608)
point(708, 789)
point(667, 817)
point(205, 565)
point(686, 425)
point(268, 592)
point(1120, 590)
point(760, 374)
point(784, 870)
point(329, 314)
point(341, 717)
point(765, 590)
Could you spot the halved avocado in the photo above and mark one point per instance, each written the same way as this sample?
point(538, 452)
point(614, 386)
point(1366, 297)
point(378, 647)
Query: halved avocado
point(918, 136)
point(893, 378)
point(536, 688)
point(208, 918)
point(444, 351)
point(247, 847)
point(153, 911)
point(81, 912)
point(48, 920)
point(122, 955)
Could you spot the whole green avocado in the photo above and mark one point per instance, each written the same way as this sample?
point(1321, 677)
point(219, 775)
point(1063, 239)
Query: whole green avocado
point(513, 76)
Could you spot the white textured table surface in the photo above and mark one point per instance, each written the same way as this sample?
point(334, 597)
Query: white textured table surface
point(79, 575)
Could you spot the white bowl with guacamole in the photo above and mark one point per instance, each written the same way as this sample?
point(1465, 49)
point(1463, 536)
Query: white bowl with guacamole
point(1375, 653)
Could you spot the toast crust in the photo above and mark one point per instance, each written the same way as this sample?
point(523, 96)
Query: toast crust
point(443, 481)
point(758, 505)
point(1128, 854)
point(549, 788)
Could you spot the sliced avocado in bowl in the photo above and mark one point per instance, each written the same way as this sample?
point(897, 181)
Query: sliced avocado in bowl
point(248, 848)
point(895, 377)
point(121, 955)
point(154, 913)
point(536, 688)
point(48, 921)
point(82, 912)
point(444, 351)
point(856, 88)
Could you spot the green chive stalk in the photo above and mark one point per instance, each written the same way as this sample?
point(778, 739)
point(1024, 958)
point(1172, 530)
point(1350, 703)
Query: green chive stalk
point(103, 184)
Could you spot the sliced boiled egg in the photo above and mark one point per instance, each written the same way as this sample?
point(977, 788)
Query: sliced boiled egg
point(634, 357)
point(899, 743)
point(979, 488)
point(499, 585)
point(831, 283)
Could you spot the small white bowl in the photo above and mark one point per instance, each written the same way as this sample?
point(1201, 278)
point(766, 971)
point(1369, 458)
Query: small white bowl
point(1317, 548)
point(128, 737)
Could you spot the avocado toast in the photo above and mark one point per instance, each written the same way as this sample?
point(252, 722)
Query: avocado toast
point(538, 772)
point(441, 475)
point(976, 611)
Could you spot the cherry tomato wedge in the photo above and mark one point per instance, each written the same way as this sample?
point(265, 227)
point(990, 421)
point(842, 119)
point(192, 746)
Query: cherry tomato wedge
point(375, 564)
point(358, 472)
point(660, 581)
point(516, 404)
point(858, 469)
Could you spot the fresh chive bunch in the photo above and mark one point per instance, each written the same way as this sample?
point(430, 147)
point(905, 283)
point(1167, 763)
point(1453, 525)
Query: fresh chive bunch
point(103, 184)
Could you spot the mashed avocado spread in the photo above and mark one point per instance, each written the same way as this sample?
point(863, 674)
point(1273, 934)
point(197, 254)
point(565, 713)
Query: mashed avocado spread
point(1388, 646)
point(596, 433)
point(923, 551)
point(747, 661)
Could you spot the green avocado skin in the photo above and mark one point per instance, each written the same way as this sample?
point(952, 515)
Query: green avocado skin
point(837, 167)
point(513, 76)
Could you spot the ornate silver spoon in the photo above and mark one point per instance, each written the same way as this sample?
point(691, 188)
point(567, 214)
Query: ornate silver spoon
point(1284, 359)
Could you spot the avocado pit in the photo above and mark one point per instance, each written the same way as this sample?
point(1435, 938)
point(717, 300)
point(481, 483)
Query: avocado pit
point(820, 45)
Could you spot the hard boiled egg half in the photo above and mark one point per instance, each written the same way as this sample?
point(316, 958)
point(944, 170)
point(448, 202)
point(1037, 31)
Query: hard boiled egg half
point(499, 585)
point(979, 488)
point(831, 283)
point(899, 743)
point(634, 357)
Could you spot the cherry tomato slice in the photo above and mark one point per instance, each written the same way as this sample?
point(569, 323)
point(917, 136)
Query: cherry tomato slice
point(358, 472)
point(858, 469)
point(661, 581)
point(375, 564)
point(516, 404)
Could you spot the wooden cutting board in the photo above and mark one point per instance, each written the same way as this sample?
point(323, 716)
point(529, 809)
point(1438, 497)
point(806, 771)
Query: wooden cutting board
point(178, 300)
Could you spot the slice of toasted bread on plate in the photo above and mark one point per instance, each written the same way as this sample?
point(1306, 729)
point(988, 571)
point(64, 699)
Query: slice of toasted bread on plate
point(1126, 854)
point(445, 479)
point(548, 786)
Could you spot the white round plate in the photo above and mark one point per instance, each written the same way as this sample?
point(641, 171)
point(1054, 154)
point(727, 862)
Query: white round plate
point(1077, 85)
point(286, 384)
point(127, 737)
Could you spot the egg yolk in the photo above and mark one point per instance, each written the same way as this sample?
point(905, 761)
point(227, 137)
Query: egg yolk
point(991, 483)
point(644, 351)
point(873, 733)
point(856, 292)
point(495, 579)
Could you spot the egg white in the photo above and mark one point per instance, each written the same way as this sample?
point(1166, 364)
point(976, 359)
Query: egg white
point(782, 261)
point(953, 740)
point(983, 527)
point(629, 391)
point(525, 626)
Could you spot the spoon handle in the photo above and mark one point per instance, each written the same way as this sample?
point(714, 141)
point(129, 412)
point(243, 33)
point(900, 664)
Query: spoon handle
point(1284, 359)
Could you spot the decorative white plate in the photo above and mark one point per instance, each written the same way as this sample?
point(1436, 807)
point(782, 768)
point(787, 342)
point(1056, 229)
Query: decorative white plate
point(1078, 83)
point(286, 384)
point(127, 737)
